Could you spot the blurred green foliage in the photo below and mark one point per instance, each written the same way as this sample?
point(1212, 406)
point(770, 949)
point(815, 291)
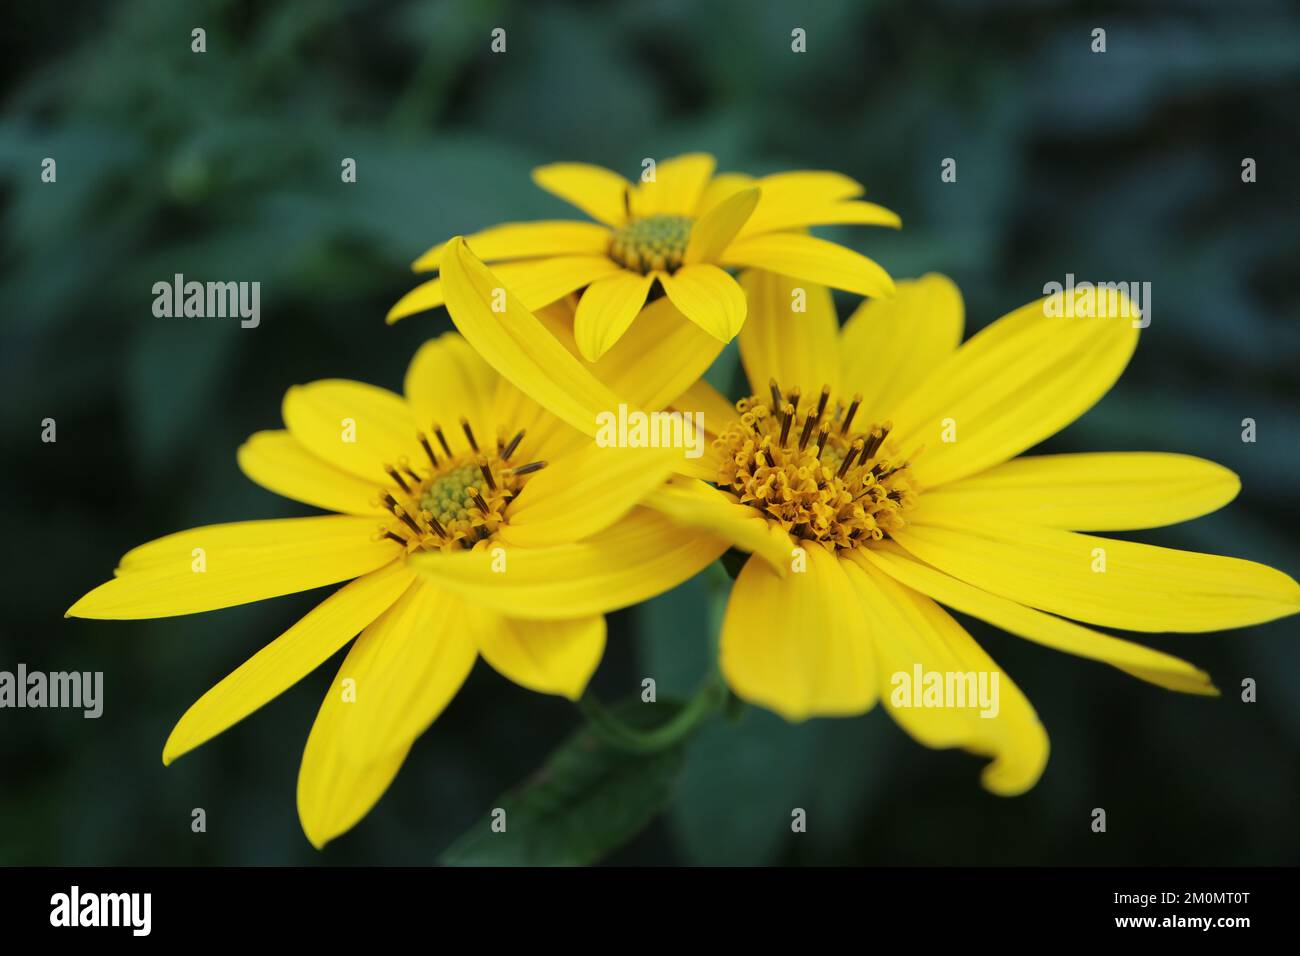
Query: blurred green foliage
point(226, 165)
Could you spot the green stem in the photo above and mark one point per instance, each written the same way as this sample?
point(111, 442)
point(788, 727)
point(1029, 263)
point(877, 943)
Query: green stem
point(702, 706)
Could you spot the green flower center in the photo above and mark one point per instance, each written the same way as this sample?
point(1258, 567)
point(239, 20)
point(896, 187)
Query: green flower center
point(457, 500)
point(447, 497)
point(655, 242)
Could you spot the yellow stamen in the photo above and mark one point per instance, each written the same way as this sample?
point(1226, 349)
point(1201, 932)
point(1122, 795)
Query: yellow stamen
point(848, 489)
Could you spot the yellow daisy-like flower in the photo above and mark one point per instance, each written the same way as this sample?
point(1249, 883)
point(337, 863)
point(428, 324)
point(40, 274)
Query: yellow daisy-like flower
point(464, 465)
point(873, 476)
point(679, 232)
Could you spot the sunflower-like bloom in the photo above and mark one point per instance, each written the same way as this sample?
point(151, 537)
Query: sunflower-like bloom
point(679, 231)
point(872, 476)
point(464, 465)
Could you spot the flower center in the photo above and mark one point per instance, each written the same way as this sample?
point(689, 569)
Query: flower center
point(815, 475)
point(655, 242)
point(455, 501)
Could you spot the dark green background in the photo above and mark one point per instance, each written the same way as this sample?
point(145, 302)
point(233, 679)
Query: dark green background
point(1122, 166)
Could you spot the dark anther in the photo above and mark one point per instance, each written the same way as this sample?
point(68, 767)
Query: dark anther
point(396, 476)
point(424, 443)
point(807, 432)
point(442, 439)
point(821, 402)
point(408, 521)
point(479, 503)
point(528, 469)
point(510, 448)
point(847, 463)
point(876, 440)
point(434, 523)
point(469, 433)
point(853, 410)
point(787, 416)
point(487, 474)
point(823, 433)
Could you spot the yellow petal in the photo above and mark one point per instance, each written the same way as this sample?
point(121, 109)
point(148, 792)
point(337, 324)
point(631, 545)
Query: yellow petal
point(888, 346)
point(658, 358)
point(808, 187)
point(703, 399)
point(708, 297)
point(717, 227)
point(546, 437)
point(676, 188)
point(425, 296)
point(536, 282)
point(909, 631)
point(527, 240)
point(540, 282)
point(1020, 380)
point(277, 462)
point(721, 187)
point(598, 192)
point(405, 668)
point(776, 216)
point(551, 657)
point(289, 658)
point(334, 793)
point(1106, 491)
point(695, 504)
point(227, 564)
point(356, 427)
point(812, 260)
point(447, 381)
point(661, 355)
point(1163, 670)
point(640, 556)
point(1143, 587)
point(790, 334)
point(585, 493)
point(518, 346)
point(605, 311)
point(798, 645)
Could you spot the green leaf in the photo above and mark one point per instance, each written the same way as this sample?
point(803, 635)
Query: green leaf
point(587, 801)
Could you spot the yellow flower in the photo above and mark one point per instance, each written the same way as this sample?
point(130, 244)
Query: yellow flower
point(463, 466)
point(677, 230)
point(873, 476)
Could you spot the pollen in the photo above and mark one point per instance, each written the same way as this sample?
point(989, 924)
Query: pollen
point(652, 243)
point(813, 472)
point(452, 502)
